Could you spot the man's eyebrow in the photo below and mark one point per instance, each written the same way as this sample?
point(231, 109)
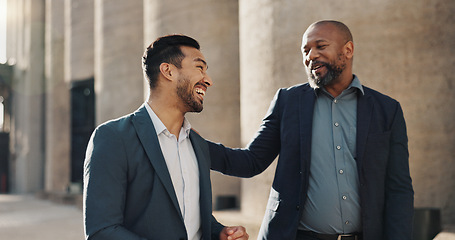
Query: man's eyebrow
point(201, 60)
point(321, 40)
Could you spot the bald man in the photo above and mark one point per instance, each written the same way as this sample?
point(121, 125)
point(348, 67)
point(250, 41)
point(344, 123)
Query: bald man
point(343, 170)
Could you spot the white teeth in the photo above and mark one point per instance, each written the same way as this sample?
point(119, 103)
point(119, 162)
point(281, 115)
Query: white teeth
point(200, 91)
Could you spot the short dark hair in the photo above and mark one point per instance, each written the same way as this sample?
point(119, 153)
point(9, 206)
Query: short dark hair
point(165, 49)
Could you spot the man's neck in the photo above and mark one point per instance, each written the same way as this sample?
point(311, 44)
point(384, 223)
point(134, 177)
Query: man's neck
point(169, 115)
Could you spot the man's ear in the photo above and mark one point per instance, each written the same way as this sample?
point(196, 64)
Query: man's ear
point(349, 49)
point(167, 70)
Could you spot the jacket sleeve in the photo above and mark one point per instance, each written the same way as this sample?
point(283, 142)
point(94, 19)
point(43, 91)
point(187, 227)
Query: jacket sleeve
point(399, 194)
point(105, 181)
point(260, 152)
point(216, 228)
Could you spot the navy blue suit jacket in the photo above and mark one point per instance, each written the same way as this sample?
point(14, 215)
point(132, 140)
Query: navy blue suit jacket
point(128, 192)
point(386, 192)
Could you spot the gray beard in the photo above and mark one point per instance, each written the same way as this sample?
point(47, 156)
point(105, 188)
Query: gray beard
point(333, 72)
point(316, 82)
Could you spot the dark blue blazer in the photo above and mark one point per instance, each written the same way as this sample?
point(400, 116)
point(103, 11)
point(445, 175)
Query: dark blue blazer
point(128, 192)
point(386, 192)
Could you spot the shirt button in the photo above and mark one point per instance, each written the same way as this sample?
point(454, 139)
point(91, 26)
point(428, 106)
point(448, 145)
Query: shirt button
point(335, 101)
point(297, 208)
point(338, 147)
point(336, 124)
point(347, 222)
point(344, 197)
point(341, 171)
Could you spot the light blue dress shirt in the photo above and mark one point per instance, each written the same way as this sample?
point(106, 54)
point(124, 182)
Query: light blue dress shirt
point(183, 168)
point(333, 203)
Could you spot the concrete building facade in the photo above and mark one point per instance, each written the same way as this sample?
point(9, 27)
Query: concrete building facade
point(403, 48)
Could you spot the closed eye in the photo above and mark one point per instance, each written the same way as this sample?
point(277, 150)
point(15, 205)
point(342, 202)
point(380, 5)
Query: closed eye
point(305, 51)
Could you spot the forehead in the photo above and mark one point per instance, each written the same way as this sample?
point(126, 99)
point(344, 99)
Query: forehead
point(192, 54)
point(321, 33)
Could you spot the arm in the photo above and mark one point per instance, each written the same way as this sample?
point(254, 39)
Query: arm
point(399, 195)
point(105, 183)
point(216, 228)
point(259, 153)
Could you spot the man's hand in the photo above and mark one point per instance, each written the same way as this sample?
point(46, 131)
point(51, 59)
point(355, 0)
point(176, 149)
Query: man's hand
point(234, 233)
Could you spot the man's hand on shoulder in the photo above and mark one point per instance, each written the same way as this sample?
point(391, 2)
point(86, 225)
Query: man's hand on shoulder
point(234, 233)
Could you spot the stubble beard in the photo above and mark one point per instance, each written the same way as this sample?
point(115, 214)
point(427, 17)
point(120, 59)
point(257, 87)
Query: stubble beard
point(186, 93)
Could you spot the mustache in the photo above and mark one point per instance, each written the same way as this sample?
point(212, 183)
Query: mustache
point(201, 84)
point(315, 63)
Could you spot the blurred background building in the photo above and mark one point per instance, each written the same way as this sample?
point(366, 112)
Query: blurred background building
point(73, 64)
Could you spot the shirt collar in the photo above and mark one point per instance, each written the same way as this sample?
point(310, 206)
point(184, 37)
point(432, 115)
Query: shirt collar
point(160, 127)
point(356, 84)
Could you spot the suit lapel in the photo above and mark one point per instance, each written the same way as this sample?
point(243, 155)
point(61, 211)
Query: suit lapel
point(306, 108)
point(205, 202)
point(364, 109)
point(147, 135)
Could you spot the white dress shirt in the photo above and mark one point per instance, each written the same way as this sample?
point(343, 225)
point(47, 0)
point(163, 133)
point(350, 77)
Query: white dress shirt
point(183, 167)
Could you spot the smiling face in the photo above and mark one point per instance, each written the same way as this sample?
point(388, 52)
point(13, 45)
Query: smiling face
point(324, 54)
point(193, 80)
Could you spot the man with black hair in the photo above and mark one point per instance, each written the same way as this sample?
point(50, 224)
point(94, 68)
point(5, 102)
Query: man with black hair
point(147, 174)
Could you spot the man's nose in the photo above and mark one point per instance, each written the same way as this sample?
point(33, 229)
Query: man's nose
point(208, 80)
point(312, 55)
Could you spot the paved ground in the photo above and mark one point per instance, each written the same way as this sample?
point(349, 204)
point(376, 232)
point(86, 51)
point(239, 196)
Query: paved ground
point(24, 217)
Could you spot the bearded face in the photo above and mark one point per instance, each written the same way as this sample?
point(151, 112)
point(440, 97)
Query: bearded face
point(321, 74)
point(189, 95)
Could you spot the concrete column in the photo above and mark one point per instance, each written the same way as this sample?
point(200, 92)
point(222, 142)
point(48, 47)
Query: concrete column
point(119, 82)
point(78, 66)
point(27, 149)
point(215, 25)
point(270, 36)
point(79, 40)
point(403, 48)
point(57, 124)
point(11, 29)
point(410, 51)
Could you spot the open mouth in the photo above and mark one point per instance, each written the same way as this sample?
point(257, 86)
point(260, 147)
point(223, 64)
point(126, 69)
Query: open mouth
point(200, 92)
point(317, 68)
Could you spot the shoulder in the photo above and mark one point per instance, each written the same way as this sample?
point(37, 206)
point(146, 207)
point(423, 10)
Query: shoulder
point(293, 92)
point(196, 138)
point(384, 105)
point(199, 142)
point(116, 126)
point(296, 88)
point(379, 97)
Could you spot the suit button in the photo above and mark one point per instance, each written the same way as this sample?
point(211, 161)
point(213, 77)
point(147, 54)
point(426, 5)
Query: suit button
point(297, 208)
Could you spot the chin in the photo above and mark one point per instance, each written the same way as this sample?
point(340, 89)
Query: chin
point(196, 108)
